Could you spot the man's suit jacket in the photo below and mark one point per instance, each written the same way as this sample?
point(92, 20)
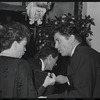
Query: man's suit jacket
point(84, 70)
point(61, 69)
point(40, 77)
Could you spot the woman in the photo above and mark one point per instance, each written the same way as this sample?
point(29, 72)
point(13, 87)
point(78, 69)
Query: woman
point(16, 79)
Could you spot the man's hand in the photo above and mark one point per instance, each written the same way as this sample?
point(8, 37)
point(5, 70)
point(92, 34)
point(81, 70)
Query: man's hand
point(49, 80)
point(62, 79)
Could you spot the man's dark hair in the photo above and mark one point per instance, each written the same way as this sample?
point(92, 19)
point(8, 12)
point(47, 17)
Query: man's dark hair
point(46, 51)
point(67, 31)
point(79, 27)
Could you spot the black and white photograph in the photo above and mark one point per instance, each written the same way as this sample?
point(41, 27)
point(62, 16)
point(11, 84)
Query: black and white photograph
point(49, 50)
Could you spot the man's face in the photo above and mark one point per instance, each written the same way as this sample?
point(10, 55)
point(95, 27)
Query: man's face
point(51, 62)
point(63, 44)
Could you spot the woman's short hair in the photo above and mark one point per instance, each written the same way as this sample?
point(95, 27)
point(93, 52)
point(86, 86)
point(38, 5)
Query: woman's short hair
point(11, 32)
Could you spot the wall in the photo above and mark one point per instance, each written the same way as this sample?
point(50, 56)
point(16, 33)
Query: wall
point(61, 8)
point(93, 9)
point(84, 9)
point(13, 3)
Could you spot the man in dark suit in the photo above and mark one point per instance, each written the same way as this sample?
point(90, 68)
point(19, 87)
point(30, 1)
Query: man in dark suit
point(60, 71)
point(84, 69)
point(47, 58)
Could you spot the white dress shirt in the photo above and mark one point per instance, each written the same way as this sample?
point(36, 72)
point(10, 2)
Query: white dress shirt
point(73, 50)
point(42, 68)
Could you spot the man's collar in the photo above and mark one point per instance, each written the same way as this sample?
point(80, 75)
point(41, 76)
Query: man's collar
point(43, 66)
point(74, 49)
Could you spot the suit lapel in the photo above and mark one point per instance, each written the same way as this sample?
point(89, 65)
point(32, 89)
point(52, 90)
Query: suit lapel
point(77, 47)
point(39, 64)
point(70, 69)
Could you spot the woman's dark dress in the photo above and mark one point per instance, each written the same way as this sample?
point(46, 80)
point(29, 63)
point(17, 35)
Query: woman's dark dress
point(16, 79)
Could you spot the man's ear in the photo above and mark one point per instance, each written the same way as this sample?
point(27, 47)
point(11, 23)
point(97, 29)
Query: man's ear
point(72, 38)
point(50, 57)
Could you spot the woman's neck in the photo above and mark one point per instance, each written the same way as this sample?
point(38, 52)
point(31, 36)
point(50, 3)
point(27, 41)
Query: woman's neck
point(7, 53)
